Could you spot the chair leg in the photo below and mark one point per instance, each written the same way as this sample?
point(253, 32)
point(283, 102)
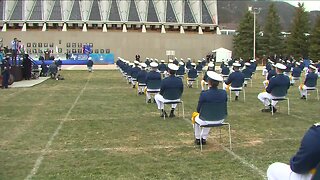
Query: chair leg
point(244, 95)
point(201, 138)
point(230, 144)
point(288, 106)
point(251, 82)
point(230, 95)
point(182, 109)
point(317, 94)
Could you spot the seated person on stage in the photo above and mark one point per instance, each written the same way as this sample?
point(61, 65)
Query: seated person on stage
point(90, 64)
point(209, 96)
point(171, 82)
point(235, 80)
point(278, 81)
point(247, 73)
point(303, 164)
point(270, 74)
point(192, 74)
point(296, 73)
point(204, 81)
point(152, 75)
point(53, 70)
point(310, 81)
point(142, 78)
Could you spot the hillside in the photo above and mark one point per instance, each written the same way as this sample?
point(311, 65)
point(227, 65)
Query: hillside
point(231, 12)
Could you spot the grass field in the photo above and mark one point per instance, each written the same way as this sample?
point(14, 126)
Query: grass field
point(94, 126)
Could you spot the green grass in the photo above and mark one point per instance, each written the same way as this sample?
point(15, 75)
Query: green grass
point(112, 134)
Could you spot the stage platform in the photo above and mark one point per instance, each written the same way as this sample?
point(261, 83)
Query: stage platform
point(28, 83)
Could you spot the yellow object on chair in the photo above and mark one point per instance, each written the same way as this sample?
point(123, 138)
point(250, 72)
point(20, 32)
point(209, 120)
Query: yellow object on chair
point(193, 118)
point(301, 86)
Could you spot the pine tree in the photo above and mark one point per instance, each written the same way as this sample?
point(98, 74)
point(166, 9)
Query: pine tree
point(271, 40)
point(315, 41)
point(243, 40)
point(297, 43)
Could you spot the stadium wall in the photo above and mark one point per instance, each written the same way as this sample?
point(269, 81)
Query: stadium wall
point(127, 45)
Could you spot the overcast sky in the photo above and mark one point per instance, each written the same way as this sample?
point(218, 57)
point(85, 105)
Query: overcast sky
point(310, 5)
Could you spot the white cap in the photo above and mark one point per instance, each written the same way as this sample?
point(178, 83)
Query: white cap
point(173, 67)
point(203, 59)
point(193, 64)
point(175, 58)
point(136, 62)
point(199, 61)
point(154, 64)
point(162, 61)
point(312, 67)
point(297, 63)
point(170, 61)
point(252, 60)
point(247, 64)
point(189, 58)
point(236, 64)
point(211, 64)
point(90, 58)
point(181, 63)
point(131, 64)
point(144, 65)
point(281, 66)
point(214, 76)
point(147, 58)
point(181, 59)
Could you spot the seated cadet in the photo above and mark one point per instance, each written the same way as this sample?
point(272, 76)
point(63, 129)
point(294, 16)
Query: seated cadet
point(267, 68)
point(171, 82)
point(192, 74)
point(303, 164)
point(296, 73)
point(278, 81)
point(134, 73)
point(181, 70)
point(199, 66)
point(188, 64)
point(162, 67)
point(175, 61)
point(310, 81)
point(204, 81)
point(270, 74)
point(235, 80)
point(147, 62)
point(151, 76)
point(212, 95)
point(288, 69)
point(225, 71)
point(142, 78)
point(90, 64)
point(247, 73)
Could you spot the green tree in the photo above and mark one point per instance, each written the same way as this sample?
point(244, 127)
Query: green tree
point(243, 40)
point(314, 50)
point(297, 42)
point(271, 42)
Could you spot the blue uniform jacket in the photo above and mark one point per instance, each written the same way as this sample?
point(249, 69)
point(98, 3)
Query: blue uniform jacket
point(135, 71)
point(308, 156)
point(181, 70)
point(142, 76)
point(225, 70)
point(311, 80)
point(212, 95)
point(247, 73)
point(271, 73)
point(199, 67)
point(153, 75)
point(171, 82)
point(236, 79)
point(279, 80)
point(188, 65)
point(162, 67)
point(296, 72)
point(192, 73)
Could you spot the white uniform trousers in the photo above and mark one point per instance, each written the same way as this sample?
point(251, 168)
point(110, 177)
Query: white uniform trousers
point(148, 94)
point(281, 171)
point(303, 90)
point(265, 98)
point(203, 84)
point(160, 101)
point(197, 129)
point(264, 72)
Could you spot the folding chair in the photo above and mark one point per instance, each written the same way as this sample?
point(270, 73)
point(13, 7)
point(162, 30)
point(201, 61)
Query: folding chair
point(238, 89)
point(225, 77)
point(153, 87)
point(279, 94)
point(214, 112)
point(312, 89)
point(173, 95)
point(249, 79)
point(193, 80)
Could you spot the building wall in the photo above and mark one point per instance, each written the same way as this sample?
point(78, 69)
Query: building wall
point(151, 44)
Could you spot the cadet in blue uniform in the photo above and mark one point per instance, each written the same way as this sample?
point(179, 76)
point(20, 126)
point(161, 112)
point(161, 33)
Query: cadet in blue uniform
point(279, 81)
point(192, 75)
point(270, 74)
point(204, 81)
point(142, 78)
point(181, 70)
point(152, 75)
point(310, 81)
point(247, 73)
point(134, 73)
point(171, 82)
point(235, 80)
point(296, 73)
point(199, 66)
point(212, 95)
point(303, 163)
point(162, 67)
point(5, 73)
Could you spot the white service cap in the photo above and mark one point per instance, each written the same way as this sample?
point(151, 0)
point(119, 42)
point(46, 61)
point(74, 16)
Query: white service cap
point(214, 76)
point(281, 66)
point(173, 67)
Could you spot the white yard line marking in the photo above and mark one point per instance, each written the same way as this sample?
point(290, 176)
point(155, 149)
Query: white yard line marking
point(242, 160)
point(56, 132)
